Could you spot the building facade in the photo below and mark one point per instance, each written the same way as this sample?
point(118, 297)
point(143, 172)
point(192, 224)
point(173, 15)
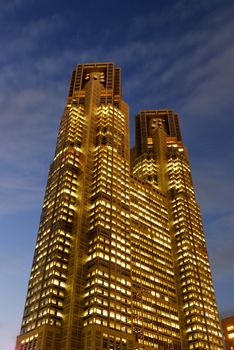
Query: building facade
point(120, 259)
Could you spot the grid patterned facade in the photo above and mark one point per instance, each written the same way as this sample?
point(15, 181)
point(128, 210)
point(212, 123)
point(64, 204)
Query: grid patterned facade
point(120, 260)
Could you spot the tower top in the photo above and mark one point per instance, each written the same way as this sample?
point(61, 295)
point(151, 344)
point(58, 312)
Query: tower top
point(106, 72)
point(148, 120)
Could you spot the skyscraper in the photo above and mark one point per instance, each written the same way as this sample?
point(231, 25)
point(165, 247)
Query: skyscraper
point(120, 260)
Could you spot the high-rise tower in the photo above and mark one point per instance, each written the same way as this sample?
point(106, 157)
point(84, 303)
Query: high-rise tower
point(120, 259)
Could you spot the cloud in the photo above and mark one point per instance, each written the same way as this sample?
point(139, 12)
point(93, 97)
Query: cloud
point(19, 194)
point(7, 6)
point(192, 71)
point(27, 136)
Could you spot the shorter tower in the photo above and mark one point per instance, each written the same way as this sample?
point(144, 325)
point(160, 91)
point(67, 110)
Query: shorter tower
point(160, 158)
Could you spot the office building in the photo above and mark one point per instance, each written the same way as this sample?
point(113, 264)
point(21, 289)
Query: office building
point(120, 259)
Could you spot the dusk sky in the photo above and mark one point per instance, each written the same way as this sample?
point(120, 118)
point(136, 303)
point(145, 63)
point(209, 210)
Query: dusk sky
point(173, 54)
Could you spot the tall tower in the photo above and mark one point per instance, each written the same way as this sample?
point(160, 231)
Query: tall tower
point(120, 259)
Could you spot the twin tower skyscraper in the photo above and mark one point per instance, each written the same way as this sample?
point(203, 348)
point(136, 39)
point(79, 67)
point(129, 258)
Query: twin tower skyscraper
point(120, 260)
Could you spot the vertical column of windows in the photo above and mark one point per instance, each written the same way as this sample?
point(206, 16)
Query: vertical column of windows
point(120, 293)
point(199, 304)
point(108, 286)
point(155, 315)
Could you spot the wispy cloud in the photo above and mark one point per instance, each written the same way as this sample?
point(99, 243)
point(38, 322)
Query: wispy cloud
point(18, 194)
point(7, 6)
point(195, 70)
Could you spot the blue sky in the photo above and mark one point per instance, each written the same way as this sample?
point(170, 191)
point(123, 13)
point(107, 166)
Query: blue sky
point(173, 54)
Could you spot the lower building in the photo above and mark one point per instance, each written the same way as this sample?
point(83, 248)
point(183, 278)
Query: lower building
point(228, 332)
point(120, 261)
